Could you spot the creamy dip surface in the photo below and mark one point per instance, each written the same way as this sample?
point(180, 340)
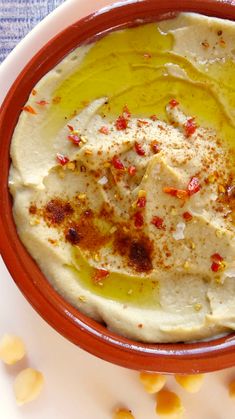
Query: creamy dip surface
point(122, 179)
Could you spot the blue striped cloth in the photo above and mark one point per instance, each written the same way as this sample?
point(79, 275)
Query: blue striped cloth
point(17, 18)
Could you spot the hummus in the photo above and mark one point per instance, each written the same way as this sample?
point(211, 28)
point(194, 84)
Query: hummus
point(122, 179)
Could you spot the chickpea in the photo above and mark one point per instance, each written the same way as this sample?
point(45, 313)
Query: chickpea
point(28, 385)
point(191, 383)
point(12, 349)
point(169, 405)
point(152, 382)
point(123, 414)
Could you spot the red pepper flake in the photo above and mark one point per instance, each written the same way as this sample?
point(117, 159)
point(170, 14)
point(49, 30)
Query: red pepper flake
point(139, 149)
point(141, 122)
point(194, 186)
point(34, 92)
point(153, 117)
point(70, 128)
point(155, 147)
point(74, 138)
point(104, 130)
point(178, 193)
point(158, 222)
point(125, 112)
point(100, 274)
point(42, 103)
point(187, 216)
point(173, 103)
point(62, 159)
point(141, 202)
point(216, 257)
point(121, 123)
point(29, 109)
point(215, 267)
point(190, 127)
point(132, 170)
point(138, 220)
point(217, 262)
point(117, 163)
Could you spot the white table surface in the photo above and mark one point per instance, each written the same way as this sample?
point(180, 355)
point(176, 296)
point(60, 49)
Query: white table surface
point(78, 385)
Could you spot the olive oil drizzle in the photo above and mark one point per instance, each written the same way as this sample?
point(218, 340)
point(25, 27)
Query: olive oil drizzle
point(129, 289)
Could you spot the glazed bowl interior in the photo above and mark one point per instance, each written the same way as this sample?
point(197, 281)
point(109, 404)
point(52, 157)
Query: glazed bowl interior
point(83, 331)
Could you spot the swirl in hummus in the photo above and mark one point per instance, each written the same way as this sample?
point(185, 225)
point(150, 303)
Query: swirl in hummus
point(123, 182)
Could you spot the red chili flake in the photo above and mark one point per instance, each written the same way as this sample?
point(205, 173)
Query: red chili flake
point(153, 117)
point(190, 127)
point(173, 103)
point(216, 257)
point(187, 216)
point(138, 220)
point(217, 262)
point(104, 130)
point(117, 163)
point(194, 186)
point(74, 138)
point(141, 122)
point(141, 202)
point(155, 147)
point(125, 112)
point(42, 103)
point(178, 193)
point(62, 159)
point(215, 267)
point(121, 123)
point(100, 274)
point(139, 149)
point(132, 170)
point(70, 128)
point(29, 109)
point(158, 222)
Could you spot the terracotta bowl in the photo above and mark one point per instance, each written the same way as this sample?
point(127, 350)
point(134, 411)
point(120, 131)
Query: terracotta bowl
point(84, 332)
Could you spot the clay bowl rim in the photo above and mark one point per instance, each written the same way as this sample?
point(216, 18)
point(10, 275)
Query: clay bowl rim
point(68, 321)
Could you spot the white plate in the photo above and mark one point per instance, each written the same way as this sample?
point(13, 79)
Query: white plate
point(78, 385)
